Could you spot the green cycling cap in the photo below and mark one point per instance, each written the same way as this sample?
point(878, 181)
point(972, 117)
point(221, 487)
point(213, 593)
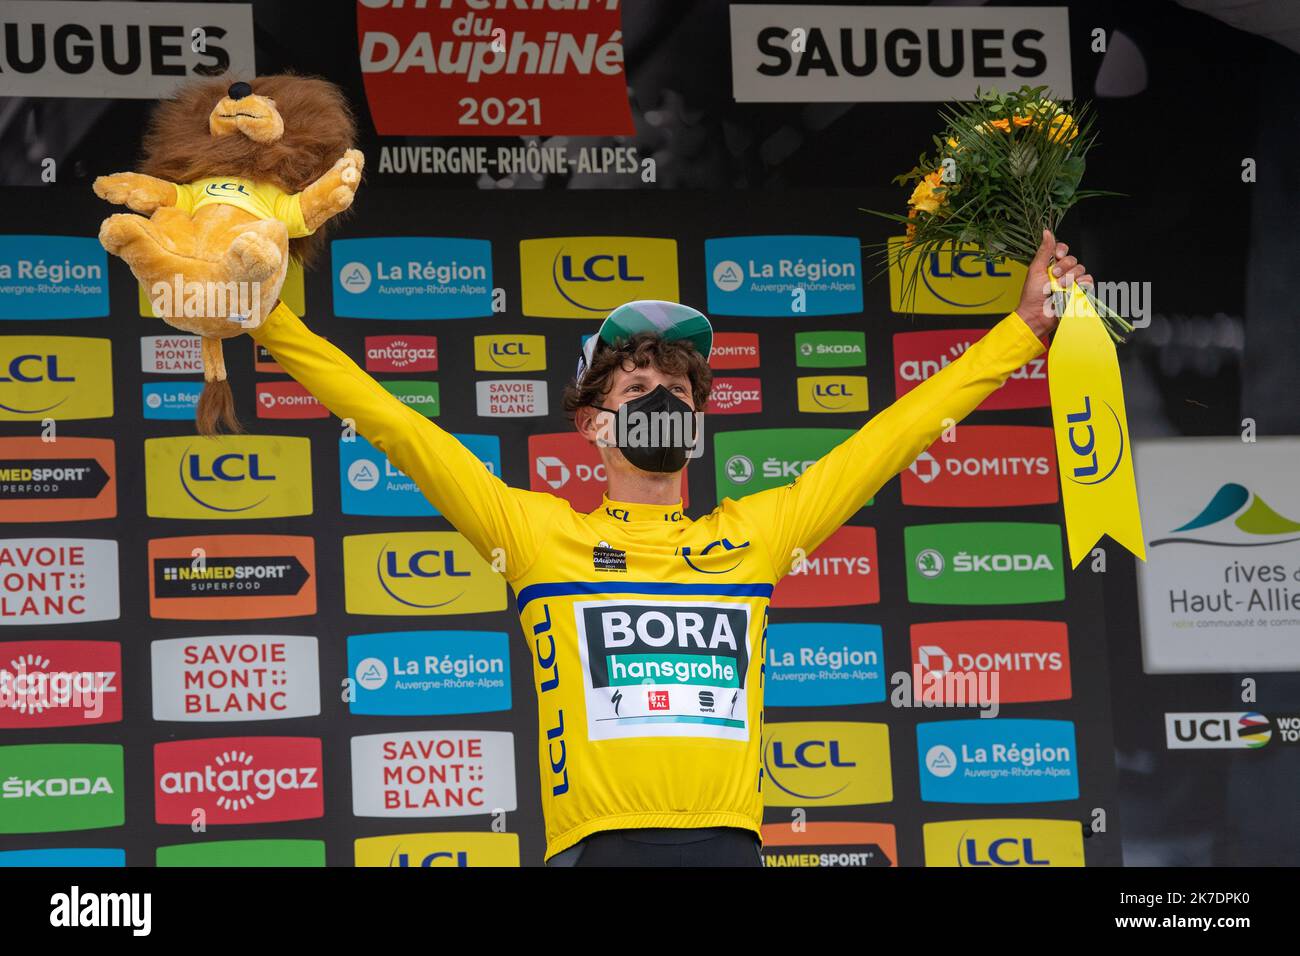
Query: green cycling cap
point(672, 320)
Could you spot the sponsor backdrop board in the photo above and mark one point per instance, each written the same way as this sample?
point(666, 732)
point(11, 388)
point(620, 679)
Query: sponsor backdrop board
point(246, 628)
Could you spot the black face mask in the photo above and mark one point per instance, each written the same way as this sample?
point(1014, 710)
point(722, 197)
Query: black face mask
point(642, 436)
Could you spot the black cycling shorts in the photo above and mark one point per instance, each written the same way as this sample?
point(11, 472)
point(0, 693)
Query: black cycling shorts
point(655, 846)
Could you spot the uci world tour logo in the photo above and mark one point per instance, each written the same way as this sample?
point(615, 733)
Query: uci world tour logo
point(1248, 513)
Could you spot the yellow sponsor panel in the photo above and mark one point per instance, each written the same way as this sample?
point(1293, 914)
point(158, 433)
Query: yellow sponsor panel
point(587, 277)
point(955, 283)
point(230, 476)
point(418, 572)
point(826, 764)
point(1003, 843)
point(427, 850)
point(509, 353)
point(832, 393)
point(55, 376)
point(292, 293)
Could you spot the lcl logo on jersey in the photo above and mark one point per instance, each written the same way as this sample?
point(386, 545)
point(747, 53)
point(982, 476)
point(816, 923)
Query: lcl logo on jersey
point(953, 283)
point(918, 355)
point(72, 479)
point(433, 850)
point(717, 557)
point(418, 572)
point(834, 843)
point(233, 476)
point(60, 683)
point(826, 764)
point(509, 353)
point(985, 466)
point(832, 393)
point(55, 376)
point(1003, 843)
point(586, 277)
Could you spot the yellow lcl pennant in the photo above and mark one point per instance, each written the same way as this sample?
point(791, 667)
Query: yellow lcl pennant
point(1093, 451)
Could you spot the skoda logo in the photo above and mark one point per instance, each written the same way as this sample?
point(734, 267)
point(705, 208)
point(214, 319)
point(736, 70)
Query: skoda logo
point(929, 563)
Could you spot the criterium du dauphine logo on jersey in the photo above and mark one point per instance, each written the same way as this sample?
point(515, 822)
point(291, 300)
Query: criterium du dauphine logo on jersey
point(64, 377)
point(412, 277)
point(429, 673)
point(587, 277)
point(664, 668)
point(784, 276)
point(1003, 843)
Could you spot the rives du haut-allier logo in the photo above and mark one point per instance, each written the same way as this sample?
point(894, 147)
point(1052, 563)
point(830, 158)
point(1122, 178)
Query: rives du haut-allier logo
point(236, 300)
point(639, 428)
point(1253, 514)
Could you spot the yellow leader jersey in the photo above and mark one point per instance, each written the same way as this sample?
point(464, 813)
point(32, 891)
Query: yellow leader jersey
point(257, 199)
point(647, 628)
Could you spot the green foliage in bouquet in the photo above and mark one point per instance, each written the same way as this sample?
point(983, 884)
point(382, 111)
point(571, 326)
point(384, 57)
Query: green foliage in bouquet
point(1006, 167)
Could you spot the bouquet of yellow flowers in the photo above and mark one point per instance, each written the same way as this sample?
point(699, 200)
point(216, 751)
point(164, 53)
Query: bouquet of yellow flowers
point(1005, 167)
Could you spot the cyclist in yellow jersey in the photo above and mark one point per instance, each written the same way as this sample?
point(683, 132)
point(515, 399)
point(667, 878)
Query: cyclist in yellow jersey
point(646, 627)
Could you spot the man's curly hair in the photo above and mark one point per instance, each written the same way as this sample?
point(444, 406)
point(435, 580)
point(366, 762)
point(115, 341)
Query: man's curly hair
point(639, 351)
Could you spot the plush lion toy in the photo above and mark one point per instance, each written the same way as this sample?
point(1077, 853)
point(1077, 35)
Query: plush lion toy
point(236, 178)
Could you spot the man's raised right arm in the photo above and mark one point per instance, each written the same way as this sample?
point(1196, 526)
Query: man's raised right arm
point(477, 503)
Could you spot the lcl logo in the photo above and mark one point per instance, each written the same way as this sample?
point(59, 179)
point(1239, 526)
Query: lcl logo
point(598, 268)
point(1084, 443)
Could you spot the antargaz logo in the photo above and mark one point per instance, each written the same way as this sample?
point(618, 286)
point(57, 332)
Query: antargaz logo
point(1253, 516)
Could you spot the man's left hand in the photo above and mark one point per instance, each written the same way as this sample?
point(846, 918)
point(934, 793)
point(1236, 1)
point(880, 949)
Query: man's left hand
point(1036, 306)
